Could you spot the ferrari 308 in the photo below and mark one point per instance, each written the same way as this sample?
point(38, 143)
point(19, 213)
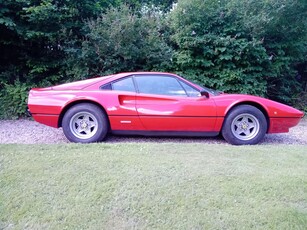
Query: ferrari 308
point(156, 104)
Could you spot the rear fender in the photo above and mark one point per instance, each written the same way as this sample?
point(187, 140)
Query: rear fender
point(75, 102)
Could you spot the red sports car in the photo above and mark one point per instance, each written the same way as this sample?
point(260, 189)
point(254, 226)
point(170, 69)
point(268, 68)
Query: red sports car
point(156, 104)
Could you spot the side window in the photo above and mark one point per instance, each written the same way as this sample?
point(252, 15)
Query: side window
point(160, 85)
point(106, 87)
point(190, 90)
point(125, 84)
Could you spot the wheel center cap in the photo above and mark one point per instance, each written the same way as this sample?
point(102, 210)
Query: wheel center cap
point(83, 125)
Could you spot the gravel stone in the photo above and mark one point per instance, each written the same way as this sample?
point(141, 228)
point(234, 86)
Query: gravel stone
point(30, 132)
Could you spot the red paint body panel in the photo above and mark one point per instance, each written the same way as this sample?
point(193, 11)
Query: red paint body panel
point(125, 123)
point(50, 120)
point(176, 113)
point(225, 102)
point(147, 112)
point(282, 125)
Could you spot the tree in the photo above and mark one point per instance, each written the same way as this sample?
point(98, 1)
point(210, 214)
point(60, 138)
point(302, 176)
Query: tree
point(241, 46)
point(121, 40)
point(282, 25)
point(33, 34)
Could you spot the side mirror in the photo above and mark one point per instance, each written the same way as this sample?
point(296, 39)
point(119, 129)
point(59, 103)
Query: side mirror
point(204, 93)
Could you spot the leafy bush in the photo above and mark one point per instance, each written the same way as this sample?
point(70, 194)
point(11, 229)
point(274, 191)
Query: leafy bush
point(300, 101)
point(241, 45)
point(121, 40)
point(13, 100)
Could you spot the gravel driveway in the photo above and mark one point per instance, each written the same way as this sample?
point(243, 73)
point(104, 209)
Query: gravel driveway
point(30, 132)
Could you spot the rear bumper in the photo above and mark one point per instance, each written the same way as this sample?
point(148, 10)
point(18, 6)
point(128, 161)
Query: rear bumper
point(47, 119)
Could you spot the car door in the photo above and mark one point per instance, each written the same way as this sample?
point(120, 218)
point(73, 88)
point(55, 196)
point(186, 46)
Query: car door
point(119, 101)
point(166, 103)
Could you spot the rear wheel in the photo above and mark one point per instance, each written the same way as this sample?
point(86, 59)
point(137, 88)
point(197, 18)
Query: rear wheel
point(244, 125)
point(85, 123)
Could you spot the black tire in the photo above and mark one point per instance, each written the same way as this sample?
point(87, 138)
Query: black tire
point(85, 123)
point(244, 125)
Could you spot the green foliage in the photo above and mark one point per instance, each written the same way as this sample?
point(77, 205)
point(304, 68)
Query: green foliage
point(241, 46)
point(164, 5)
point(212, 51)
point(300, 100)
point(121, 40)
point(33, 34)
point(232, 64)
point(13, 100)
point(282, 25)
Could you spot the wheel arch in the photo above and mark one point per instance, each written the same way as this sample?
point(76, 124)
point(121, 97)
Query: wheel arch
point(251, 103)
point(73, 103)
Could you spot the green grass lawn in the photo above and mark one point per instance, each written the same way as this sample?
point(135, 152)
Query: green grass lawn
point(153, 186)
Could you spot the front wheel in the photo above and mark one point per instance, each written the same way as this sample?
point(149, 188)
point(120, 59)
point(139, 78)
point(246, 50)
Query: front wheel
point(244, 125)
point(85, 123)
